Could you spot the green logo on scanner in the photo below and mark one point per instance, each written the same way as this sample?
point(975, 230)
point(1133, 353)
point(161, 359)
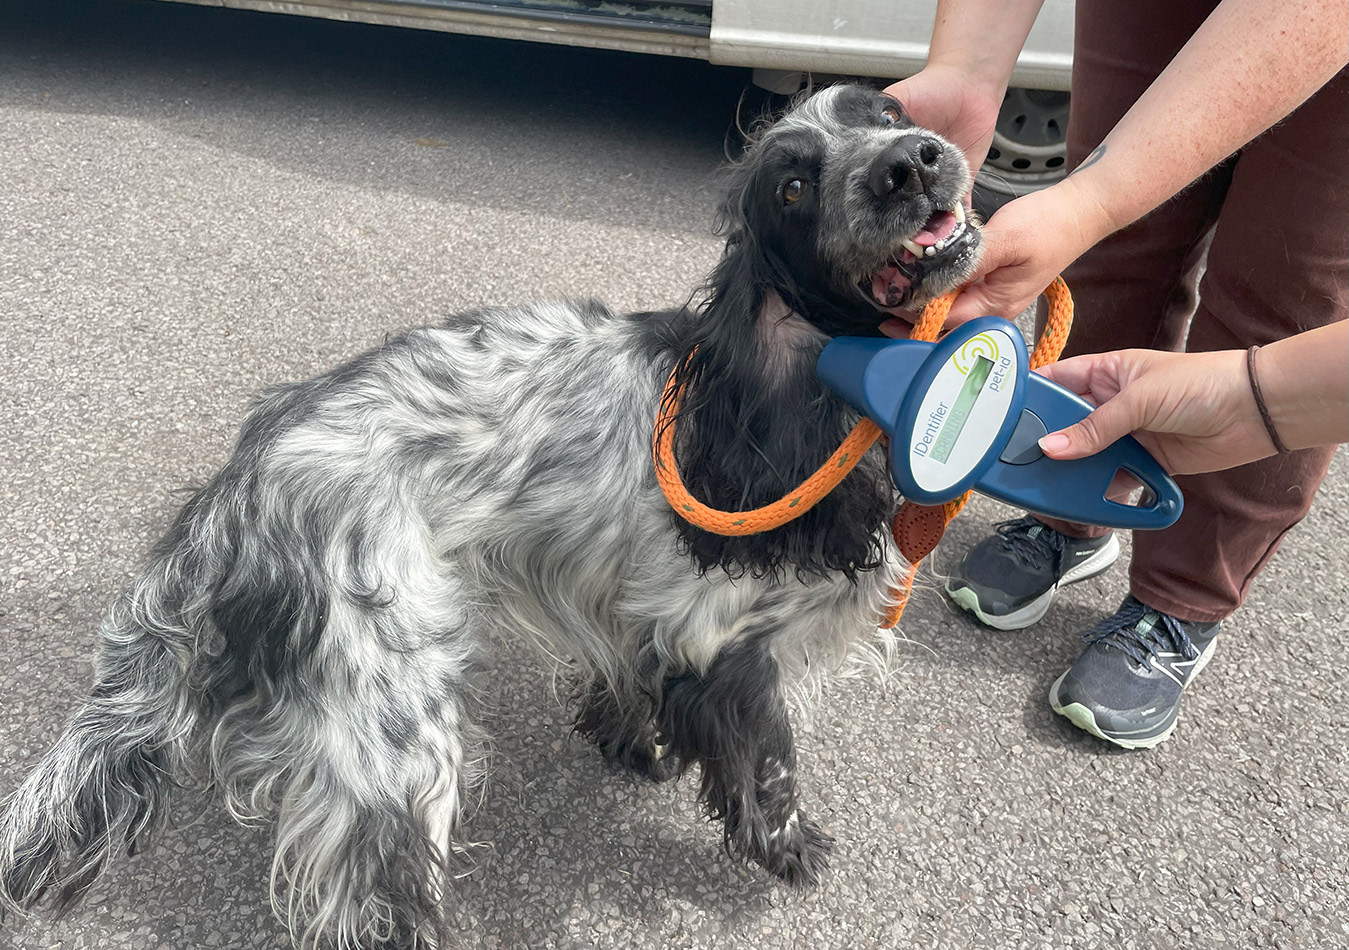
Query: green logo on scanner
point(983, 346)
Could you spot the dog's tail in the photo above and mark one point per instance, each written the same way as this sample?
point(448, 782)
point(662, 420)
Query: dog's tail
point(105, 781)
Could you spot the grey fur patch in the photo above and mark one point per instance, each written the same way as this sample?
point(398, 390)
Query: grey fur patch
point(308, 631)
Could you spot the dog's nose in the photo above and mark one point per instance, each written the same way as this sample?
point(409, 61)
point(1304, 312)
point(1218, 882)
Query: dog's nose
point(908, 166)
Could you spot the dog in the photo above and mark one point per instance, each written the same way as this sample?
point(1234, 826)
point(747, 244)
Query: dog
point(306, 635)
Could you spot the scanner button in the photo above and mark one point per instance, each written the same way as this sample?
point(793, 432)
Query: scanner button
point(1023, 447)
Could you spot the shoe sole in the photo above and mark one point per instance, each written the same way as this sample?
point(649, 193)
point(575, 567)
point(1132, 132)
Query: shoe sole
point(1034, 611)
point(1084, 719)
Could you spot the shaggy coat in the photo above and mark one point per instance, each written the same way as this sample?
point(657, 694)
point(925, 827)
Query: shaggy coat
point(305, 634)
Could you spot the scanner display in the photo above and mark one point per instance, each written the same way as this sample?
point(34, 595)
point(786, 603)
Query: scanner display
point(960, 412)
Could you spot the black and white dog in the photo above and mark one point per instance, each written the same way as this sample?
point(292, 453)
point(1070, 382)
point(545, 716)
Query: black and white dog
point(305, 635)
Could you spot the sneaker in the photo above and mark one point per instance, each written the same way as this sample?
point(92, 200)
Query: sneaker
point(1126, 686)
point(1009, 580)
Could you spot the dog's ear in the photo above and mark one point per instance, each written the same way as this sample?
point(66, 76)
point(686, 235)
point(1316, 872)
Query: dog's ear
point(741, 443)
point(738, 283)
point(751, 267)
point(725, 307)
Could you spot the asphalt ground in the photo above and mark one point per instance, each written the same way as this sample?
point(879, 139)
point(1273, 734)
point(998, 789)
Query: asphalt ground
point(196, 203)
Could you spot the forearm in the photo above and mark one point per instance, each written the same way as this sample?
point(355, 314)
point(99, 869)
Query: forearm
point(982, 39)
point(1304, 380)
point(1249, 65)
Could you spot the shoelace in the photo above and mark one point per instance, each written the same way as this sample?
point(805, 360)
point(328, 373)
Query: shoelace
point(1141, 633)
point(1029, 546)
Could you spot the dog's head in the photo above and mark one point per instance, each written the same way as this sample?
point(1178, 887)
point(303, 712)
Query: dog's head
point(848, 210)
point(839, 213)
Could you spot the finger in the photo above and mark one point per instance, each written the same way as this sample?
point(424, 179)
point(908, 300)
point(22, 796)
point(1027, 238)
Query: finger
point(896, 328)
point(1124, 484)
point(1112, 421)
point(1066, 444)
point(979, 300)
point(1074, 373)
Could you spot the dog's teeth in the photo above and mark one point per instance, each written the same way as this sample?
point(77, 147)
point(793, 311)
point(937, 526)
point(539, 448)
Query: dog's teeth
point(959, 212)
point(941, 245)
point(915, 249)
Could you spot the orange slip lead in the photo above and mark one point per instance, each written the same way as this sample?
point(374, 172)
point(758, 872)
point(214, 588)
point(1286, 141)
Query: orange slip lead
point(916, 528)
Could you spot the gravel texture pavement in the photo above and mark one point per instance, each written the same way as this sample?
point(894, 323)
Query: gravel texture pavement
point(196, 203)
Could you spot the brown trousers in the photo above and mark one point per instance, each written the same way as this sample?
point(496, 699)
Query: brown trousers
point(1278, 263)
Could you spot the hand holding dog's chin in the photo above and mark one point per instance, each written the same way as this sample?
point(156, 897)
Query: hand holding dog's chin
point(1026, 244)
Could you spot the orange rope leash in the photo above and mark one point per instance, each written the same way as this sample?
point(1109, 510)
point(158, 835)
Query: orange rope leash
point(917, 528)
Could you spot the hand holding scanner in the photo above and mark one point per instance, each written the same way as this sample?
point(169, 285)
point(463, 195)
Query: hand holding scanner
point(966, 412)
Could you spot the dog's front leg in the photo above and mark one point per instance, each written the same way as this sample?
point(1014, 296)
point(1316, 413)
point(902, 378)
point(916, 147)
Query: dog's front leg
point(621, 725)
point(733, 721)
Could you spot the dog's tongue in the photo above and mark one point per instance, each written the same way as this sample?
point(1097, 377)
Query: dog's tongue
point(939, 226)
point(888, 286)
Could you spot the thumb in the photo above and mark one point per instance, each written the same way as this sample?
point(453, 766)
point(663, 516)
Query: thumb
point(987, 292)
point(1111, 421)
point(974, 301)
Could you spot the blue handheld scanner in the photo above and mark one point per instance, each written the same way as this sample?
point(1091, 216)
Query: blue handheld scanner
point(966, 412)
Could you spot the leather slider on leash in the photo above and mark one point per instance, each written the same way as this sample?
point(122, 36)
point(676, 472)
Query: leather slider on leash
point(917, 529)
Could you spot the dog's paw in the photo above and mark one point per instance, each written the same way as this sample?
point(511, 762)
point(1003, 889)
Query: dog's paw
point(627, 738)
point(798, 853)
point(663, 763)
point(650, 760)
point(643, 755)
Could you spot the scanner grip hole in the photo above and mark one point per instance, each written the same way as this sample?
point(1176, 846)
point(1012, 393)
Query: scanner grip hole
point(1128, 488)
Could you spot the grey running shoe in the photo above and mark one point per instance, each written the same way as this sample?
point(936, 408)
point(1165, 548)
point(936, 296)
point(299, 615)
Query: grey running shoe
point(1009, 580)
point(1126, 686)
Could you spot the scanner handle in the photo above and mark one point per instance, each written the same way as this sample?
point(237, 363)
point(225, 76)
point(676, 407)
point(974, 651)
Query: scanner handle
point(1064, 489)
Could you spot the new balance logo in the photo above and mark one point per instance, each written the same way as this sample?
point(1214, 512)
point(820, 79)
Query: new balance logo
point(1174, 665)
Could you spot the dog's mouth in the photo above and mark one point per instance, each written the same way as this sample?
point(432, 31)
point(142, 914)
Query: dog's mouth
point(942, 240)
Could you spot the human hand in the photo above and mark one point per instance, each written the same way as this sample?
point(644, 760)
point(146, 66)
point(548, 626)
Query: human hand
point(1194, 412)
point(1026, 244)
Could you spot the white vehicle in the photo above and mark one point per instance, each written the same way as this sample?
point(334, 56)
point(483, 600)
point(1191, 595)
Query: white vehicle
point(781, 40)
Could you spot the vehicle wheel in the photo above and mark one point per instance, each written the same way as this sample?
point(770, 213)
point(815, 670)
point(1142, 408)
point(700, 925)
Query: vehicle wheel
point(1028, 149)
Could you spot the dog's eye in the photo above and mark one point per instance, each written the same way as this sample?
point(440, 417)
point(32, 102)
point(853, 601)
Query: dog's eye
point(793, 190)
point(890, 114)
